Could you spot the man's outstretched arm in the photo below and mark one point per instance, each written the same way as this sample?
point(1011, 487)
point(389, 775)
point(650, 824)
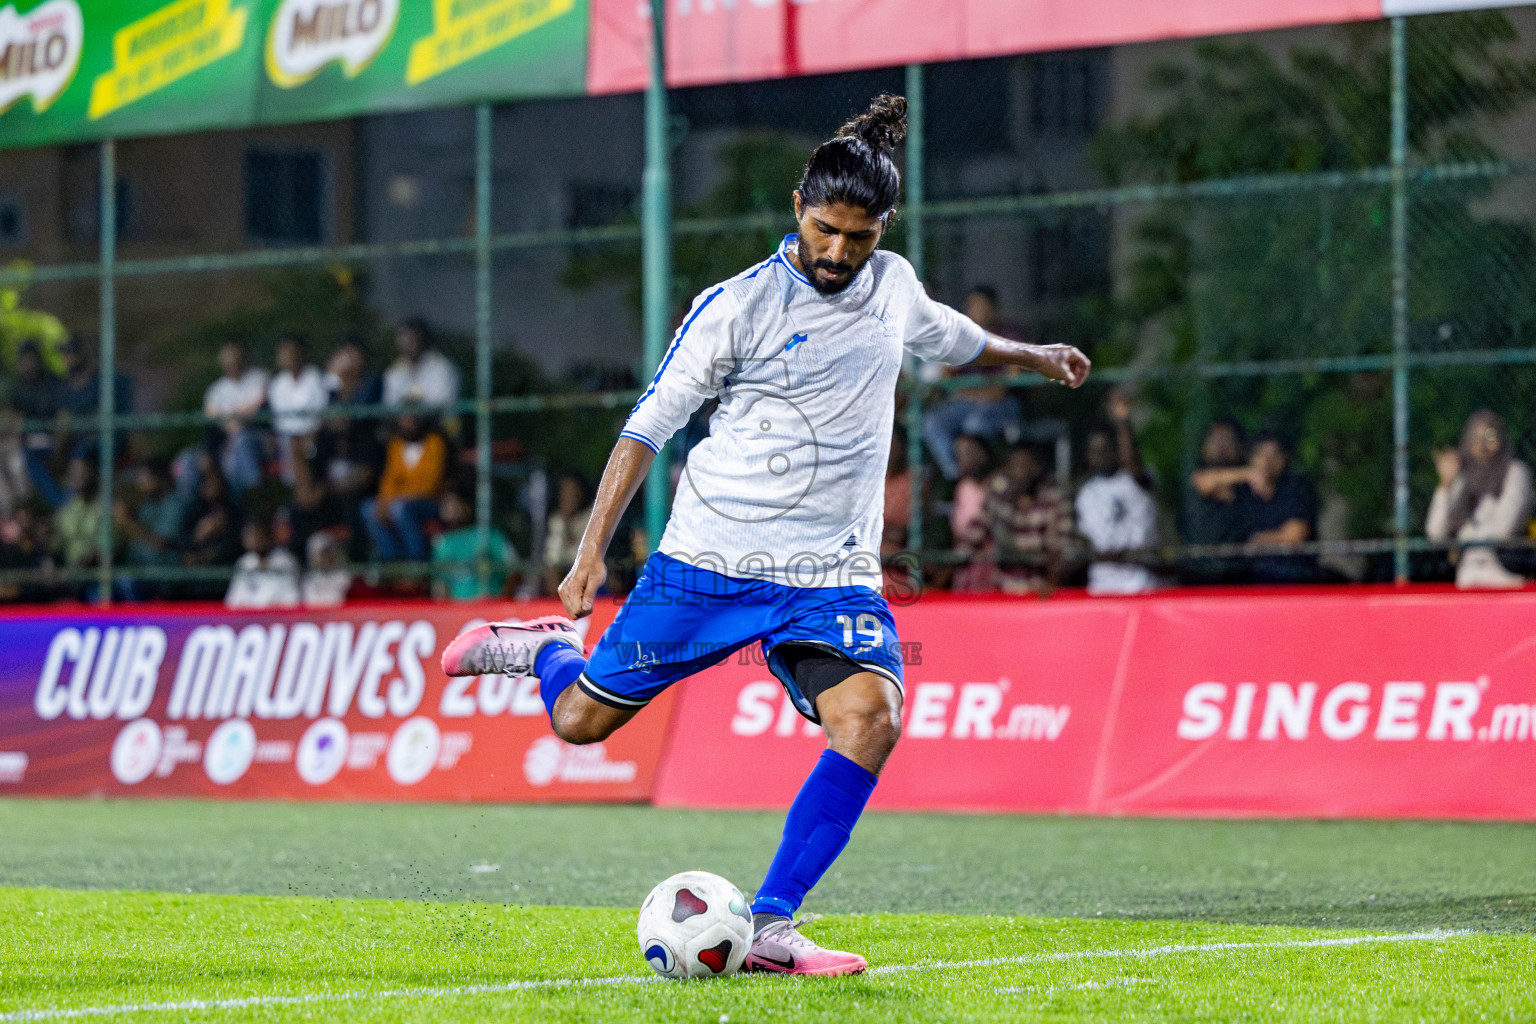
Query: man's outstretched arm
point(1054, 362)
point(627, 466)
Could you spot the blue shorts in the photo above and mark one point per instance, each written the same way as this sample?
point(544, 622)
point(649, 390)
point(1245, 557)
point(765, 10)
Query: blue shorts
point(681, 619)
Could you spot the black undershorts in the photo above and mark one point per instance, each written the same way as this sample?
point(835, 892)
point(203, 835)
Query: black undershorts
point(816, 670)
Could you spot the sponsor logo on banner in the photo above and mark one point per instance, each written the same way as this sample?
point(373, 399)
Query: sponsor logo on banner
point(413, 750)
point(935, 711)
point(462, 29)
point(164, 47)
point(322, 751)
point(136, 751)
point(39, 52)
point(551, 760)
point(1453, 711)
point(229, 751)
point(13, 765)
point(306, 35)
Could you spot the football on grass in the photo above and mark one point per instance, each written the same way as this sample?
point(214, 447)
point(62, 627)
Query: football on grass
point(695, 925)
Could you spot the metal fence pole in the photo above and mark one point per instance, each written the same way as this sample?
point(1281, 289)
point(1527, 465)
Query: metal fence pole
point(106, 371)
point(916, 239)
point(656, 232)
point(483, 343)
point(1399, 180)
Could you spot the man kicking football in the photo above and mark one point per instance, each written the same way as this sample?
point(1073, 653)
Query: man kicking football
point(775, 531)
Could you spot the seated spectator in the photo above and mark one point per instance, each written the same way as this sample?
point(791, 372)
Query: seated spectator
point(1484, 495)
point(15, 485)
point(562, 534)
point(213, 534)
point(415, 467)
point(421, 375)
point(348, 377)
point(455, 573)
point(1115, 510)
point(326, 577)
point(1210, 513)
point(988, 411)
point(297, 395)
point(32, 393)
point(266, 576)
point(77, 523)
point(154, 529)
point(232, 400)
point(1021, 539)
point(975, 463)
point(1278, 508)
point(26, 540)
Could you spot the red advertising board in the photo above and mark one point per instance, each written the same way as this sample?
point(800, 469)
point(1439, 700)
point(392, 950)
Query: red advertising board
point(352, 704)
point(712, 41)
point(1366, 703)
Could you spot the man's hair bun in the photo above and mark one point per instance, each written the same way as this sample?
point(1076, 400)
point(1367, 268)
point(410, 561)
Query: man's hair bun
point(882, 126)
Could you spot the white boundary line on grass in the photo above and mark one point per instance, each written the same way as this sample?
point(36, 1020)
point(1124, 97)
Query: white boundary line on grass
point(247, 1002)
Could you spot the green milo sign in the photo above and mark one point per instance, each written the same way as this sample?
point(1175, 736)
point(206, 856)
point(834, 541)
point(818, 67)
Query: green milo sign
point(91, 69)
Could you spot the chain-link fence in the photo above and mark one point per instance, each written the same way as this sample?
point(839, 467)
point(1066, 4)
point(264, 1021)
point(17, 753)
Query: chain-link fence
point(1319, 240)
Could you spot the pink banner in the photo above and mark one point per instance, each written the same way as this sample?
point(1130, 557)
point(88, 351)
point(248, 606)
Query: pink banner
point(197, 701)
point(712, 41)
point(1322, 703)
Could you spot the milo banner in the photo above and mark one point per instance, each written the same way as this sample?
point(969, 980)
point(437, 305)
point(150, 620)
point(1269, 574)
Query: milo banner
point(86, 69)
point(1310, 704)
point(341, 705)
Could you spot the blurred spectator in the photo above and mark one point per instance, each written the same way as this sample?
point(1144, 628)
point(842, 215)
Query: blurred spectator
point(348, 377)
point(155, 528)
point(1210, 513)
point(455, 574)
point(25, 545)
point(232, 400)
point(1019, 542)
point(266, 576)
point(415, 467)
point(987, 411)
point(14, 483)
point(1278, 508)
point(326, 577)
point(32, 393)
point(297, 395)
point(1115, 510)
point(974, 460)
point(898, 497)
point(1484, 495)
point(77, 523)
point(213, 537)
point(562, 535)
point(32, 390)
point(421, 375)
point(78, 400)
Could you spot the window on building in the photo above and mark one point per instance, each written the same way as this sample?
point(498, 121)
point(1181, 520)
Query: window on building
point(285, 196)
point(1069, 258)
point(597, 204)
point(13, 225)
point(1066, 92)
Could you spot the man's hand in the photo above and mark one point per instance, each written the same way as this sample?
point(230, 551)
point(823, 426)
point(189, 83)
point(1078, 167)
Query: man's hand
point(1065, 363)
point(579, 588)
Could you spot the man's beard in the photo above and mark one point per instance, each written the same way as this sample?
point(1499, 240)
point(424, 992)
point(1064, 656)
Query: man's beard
point(803, 253)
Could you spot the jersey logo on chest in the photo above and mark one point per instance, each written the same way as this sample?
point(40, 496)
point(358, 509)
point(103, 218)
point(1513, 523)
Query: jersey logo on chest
point(797, 339)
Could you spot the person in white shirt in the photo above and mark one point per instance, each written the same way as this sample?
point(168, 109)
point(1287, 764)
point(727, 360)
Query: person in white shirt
point(297, 395)
point(1484, 495)
point(265, 576)
point(775, 531)
point(422, 375)
point(1115, 510)
point(232, 401)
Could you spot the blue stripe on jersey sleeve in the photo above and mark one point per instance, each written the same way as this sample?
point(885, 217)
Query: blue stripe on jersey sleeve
point(681, 331)
point(642, 439)
point(978, 351)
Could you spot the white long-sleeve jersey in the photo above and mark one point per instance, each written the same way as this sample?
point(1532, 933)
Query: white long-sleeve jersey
point(789, 485)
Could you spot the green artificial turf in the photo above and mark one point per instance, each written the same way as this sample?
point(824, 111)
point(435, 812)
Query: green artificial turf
point(449, 912)
point(120, 954)
point(1378, 874)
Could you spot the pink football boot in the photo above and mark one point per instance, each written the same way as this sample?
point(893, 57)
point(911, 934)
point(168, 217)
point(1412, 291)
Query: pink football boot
point(507, 648)
point(781, 949)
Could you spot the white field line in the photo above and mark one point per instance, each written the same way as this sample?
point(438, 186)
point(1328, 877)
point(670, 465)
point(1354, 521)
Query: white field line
point(247, 1002)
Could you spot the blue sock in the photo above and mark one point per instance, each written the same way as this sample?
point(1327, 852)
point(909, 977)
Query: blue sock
point(819, 825)
point(557, 667)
